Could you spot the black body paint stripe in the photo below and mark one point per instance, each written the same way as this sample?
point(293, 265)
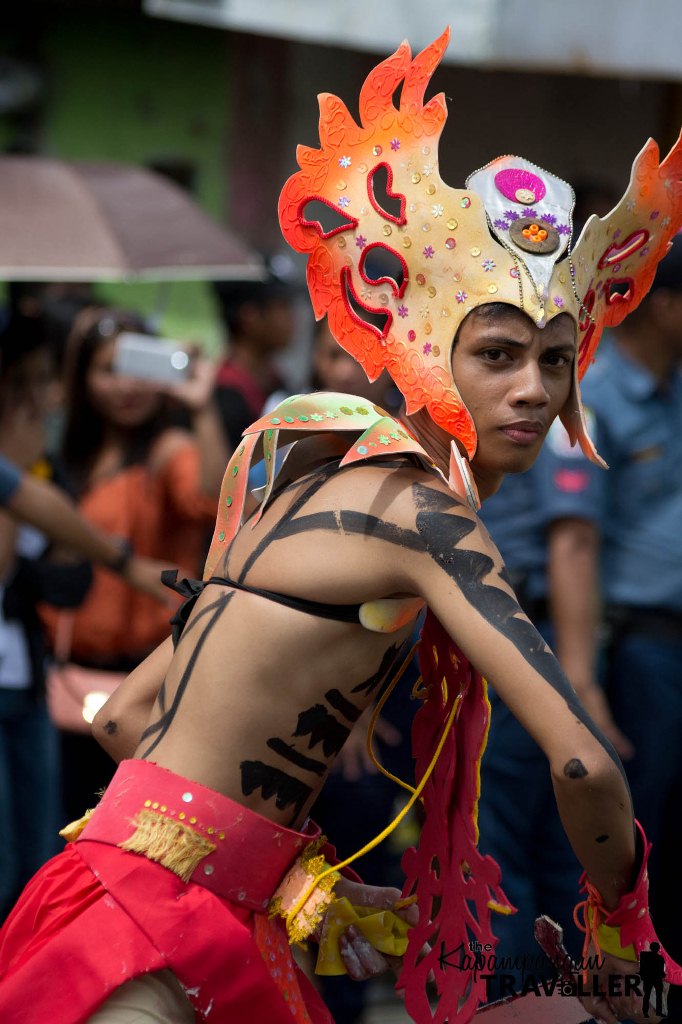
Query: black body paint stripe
point(324, 475)
point(195, 620)
point(356, 523)
point(339, 703)
point(288, 751)
point(165, 721)
point(323, 728)
point(387, 662)
point(575, 769)
point(271, 781)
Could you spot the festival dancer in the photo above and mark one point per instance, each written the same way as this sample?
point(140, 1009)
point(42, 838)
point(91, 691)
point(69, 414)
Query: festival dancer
point(183, 885)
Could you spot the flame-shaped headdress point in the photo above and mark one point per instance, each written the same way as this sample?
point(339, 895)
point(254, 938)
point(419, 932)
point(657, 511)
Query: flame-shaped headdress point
point(399, 258)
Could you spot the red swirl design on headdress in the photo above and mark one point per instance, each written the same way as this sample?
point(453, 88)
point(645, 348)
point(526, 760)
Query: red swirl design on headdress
point(338, 282)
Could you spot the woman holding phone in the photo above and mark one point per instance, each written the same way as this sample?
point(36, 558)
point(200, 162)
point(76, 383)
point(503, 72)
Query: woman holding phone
point(139, 477)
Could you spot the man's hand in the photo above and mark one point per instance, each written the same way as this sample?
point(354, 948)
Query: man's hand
point(196, 391)
point(145, 574)
point(361, 959)
point(593, 699)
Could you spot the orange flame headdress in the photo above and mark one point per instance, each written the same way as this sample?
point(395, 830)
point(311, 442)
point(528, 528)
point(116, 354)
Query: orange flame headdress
point(407, 256)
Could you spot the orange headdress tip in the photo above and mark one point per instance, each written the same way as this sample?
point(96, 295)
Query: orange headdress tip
point(616, 256)
point(347, 208)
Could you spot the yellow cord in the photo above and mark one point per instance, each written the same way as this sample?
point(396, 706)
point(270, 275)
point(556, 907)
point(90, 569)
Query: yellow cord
point(375, 716)
point(389, 828)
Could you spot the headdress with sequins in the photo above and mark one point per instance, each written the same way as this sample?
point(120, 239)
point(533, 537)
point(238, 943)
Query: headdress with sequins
point(402, 257)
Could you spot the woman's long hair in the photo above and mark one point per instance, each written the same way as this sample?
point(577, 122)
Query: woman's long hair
point(84, 426)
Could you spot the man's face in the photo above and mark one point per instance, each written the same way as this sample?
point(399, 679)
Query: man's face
point(336, 370)
point(514, 378)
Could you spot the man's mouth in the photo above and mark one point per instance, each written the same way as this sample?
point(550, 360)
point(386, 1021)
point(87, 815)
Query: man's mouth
point(524, 431)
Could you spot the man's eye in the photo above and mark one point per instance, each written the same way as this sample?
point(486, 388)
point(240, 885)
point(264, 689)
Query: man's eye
point(495, 355)
point(557, 359)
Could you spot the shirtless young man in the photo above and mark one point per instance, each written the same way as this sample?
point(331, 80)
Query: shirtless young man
point(304, 614)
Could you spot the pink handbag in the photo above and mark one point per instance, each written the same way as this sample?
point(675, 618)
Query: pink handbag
point(75, 693)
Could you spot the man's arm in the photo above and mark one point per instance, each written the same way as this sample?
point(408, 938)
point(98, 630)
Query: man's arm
point(196, 394)
point(573, 585)
point(453, 564)
point(44, 506)
point(119, 723)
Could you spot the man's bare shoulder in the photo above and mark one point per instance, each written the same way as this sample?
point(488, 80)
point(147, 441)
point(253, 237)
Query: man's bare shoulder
point(400, 490)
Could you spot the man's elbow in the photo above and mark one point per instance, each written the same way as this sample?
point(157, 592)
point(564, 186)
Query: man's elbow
point(588, 767)
point(105, 729)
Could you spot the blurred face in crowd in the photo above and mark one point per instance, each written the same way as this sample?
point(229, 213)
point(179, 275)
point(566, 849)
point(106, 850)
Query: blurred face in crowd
point(666, 304)
point(123, 402)
point(269, 326)
point(335, 370)
point(30, 381)
point(514, 378)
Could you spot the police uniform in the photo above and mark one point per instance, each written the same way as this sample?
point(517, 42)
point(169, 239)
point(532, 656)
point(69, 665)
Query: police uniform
point(639, 426)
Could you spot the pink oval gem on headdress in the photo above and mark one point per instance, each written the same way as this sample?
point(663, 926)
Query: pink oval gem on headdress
point(520, 186)
point(450, 243)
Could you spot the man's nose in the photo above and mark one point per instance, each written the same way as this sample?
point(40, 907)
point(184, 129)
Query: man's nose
point(528, 386)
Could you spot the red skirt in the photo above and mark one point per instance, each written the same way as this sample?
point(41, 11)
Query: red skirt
point(97, 916)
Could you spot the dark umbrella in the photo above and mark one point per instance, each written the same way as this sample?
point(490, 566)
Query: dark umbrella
point(63, 221)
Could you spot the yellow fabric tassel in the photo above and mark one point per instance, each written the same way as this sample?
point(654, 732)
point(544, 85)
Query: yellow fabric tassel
point(609, 941)
point(608, 937)
point(385, 930)
point(302, 873)
point(72, 831)
point(168, 842)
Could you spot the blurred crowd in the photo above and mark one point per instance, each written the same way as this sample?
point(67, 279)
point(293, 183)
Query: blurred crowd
point(595, 559)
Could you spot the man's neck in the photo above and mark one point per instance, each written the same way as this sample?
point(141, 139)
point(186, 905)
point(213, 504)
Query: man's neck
point(436, 442)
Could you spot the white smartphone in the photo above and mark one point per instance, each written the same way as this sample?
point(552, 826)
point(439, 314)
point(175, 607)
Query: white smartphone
point(154, 359)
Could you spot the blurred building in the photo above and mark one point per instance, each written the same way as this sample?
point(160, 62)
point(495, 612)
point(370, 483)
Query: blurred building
point(217, 93)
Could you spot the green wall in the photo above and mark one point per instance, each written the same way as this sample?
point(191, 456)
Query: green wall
point(125, 87)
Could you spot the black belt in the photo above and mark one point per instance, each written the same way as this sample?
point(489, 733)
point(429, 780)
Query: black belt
point(624, 620)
